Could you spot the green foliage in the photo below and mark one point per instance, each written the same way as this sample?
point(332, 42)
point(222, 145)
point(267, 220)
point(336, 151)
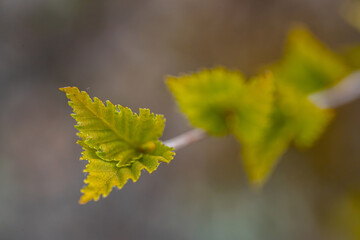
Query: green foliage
point(222, 102)
point(294, 119)
point(252, 116)
point(117, 143)
point(266, 114)
point(208, 98)
point(307, 65)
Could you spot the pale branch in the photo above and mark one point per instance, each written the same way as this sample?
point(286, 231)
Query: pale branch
point(185, 139)
point(346, 91)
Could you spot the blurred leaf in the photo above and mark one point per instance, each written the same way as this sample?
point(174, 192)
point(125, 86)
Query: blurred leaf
point(294, 118)
point(209, 98)
point(264, 119)
point(308, 66)
point(118, 138)
point(253, 111)
point(222, 102)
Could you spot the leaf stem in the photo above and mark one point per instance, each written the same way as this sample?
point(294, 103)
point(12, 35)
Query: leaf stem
point(346, 91)
point(186, 138)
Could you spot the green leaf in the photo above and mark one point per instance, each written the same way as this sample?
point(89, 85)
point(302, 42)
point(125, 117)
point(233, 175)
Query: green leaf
point(307, 121)
point(307, 65)
point(265, 114)
point(115, 139)
point(222, 102)
point(208, 98)
point(252, 114)
point(294, 119)
point(104, 175)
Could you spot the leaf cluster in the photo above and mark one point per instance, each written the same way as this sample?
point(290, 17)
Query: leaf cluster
point(268, 112)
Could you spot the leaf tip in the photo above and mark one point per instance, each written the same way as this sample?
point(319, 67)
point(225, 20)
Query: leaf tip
point(82, 202)
point(257, 185)
point(68, 89)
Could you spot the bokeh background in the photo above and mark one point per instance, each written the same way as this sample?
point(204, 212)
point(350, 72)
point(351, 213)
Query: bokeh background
point(122, 50)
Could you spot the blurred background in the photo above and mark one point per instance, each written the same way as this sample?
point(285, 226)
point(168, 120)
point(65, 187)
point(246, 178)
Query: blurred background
point(121, 51)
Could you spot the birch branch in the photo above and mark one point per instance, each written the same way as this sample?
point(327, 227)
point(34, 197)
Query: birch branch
point(186, 138)
point(346, 91)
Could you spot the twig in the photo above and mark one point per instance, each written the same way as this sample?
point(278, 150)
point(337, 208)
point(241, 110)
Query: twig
point(346, 91)
point(185, 139)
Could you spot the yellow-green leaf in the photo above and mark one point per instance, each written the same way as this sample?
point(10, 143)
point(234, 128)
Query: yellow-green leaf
point(294, 119)
point(265, 114)
point(307, 64)
point(113, 138)
point(254, 107)
point(222, 101)
point(104, 175)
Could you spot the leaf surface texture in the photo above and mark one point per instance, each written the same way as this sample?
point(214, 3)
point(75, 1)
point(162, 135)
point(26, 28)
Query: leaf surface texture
point(117, 143)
